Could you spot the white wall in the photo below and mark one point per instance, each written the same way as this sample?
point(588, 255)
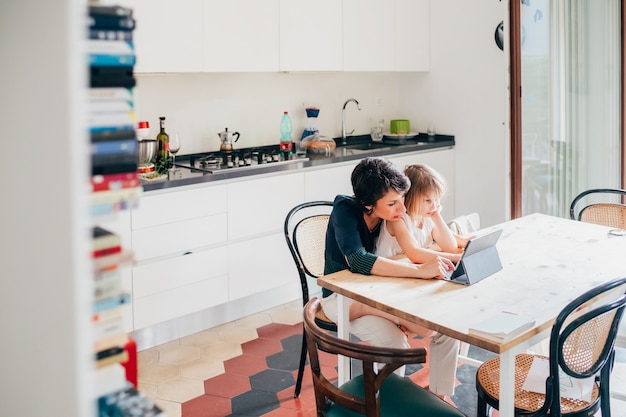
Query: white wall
point(46, 353)
point(465, 94)
point(199, 106)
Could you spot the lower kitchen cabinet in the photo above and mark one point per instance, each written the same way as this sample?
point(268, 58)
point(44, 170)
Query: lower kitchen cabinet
point(171, 288)
point(260, 264)
point(178, 238)
point(260, 205)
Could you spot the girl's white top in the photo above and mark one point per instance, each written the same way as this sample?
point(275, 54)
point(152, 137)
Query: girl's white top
point(387, 245)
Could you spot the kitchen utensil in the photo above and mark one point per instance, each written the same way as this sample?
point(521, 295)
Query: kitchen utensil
point(147, 151)
point(226, 138)
point(400, 126)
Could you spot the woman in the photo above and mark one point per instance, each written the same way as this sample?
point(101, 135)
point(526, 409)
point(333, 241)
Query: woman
point(353, 228)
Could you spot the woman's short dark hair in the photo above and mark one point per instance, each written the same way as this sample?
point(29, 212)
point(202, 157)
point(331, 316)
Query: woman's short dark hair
point(372, 178)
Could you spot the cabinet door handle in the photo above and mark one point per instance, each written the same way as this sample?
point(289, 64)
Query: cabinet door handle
point(187, 253)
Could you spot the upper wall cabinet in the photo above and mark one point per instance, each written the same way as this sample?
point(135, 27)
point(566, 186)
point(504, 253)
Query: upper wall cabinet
point(168, 35)
point(383, 35)
point(241, 35)
point(412, 35)
point(310, 35)
point(281, 35)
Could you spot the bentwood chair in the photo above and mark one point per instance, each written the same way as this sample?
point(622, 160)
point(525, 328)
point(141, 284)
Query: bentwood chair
point(582, 347)
point(374, 393)
point(600, 208)
point(305, 233)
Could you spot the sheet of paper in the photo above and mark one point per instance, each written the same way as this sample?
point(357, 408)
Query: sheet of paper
point(570, 387)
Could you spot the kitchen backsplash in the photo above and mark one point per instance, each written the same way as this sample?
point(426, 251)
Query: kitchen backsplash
point(199, 106)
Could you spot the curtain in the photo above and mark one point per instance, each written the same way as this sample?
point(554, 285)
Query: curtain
point(570, 100)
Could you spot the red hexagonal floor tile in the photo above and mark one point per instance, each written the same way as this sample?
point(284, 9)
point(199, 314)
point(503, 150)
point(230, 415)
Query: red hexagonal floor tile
point(279, 331)
point(262, 347)
point(245, 365)
point(206, 406)
point(226, 385)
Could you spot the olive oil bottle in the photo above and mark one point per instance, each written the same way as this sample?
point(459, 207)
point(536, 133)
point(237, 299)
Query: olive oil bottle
point(163, 139)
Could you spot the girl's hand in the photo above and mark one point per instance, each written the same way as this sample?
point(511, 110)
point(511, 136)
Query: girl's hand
point(462, 241)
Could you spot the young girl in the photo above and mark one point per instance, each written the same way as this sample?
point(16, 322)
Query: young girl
point(422, 223)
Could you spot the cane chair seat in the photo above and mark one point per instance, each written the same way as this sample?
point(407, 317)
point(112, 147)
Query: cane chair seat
point(488, 375)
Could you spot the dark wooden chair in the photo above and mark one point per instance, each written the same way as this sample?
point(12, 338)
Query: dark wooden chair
point(596, 206)
point(305, 232)
point(375, 393)
point(582, 345)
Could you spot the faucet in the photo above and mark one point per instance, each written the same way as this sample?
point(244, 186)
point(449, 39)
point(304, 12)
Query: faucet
point(343, 120)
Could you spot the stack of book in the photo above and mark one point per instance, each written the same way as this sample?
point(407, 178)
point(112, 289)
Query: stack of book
point(110, 301)
point(114, 147)
point(114, 186)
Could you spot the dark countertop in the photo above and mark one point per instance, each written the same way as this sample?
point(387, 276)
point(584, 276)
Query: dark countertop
point(341, 154)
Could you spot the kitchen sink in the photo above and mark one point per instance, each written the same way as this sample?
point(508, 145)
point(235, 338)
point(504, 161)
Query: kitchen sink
point(366, 146)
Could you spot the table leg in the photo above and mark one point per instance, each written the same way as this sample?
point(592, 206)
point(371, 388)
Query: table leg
point(342, 332)
point(507, 383)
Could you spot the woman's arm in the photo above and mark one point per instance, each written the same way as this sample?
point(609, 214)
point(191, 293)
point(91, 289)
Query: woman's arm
point(434, 268)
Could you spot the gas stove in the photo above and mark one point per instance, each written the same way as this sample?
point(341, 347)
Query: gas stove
point(212, 162)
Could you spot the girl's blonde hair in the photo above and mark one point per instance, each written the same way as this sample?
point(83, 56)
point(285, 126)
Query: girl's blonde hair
point(423, 179)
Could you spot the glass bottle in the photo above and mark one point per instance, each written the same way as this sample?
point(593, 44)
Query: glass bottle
point(163, 139)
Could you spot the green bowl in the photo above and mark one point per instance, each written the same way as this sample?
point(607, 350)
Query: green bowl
point(400, 126)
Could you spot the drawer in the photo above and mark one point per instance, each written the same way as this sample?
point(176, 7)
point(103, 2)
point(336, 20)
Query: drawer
point(268, 265)
point(157, 277)
point(180, 301)
point(178, 206)
point(260, 206)
point(180, 237)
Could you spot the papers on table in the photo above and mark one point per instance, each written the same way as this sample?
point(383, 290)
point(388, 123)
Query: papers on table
point(503, 325)
point(579, 389)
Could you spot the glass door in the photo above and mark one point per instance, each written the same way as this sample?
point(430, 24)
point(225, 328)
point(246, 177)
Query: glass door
point(570, 101)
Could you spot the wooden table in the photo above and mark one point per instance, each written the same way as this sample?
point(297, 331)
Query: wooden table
point(547, 262)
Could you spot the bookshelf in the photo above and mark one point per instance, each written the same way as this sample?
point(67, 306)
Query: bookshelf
point(114, 188)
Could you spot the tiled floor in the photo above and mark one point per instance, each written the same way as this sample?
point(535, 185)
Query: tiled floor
point(207, 374)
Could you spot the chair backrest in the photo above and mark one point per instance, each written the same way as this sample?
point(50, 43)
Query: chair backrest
point(466, 224)
point(325, 390)
point(305, 232)
point(582, 342)
point(604, 211)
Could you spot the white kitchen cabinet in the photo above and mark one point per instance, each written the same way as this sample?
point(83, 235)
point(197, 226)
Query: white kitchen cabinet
point(383, 35)
point(261, 264)
point(412, 35)
point(310, 35)
point(260, 205)
point(241, 35)
point(179, 239)
point(369, 35)
point(325, 184)
point(171, 288)
point(168, 36)
point(170, 224)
